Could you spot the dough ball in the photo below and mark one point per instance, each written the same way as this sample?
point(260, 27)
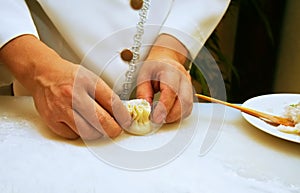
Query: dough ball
point(140, 111)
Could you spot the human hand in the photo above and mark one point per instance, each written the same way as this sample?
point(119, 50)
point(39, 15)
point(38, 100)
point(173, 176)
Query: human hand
point(163, 72)
point(71, 100)
point(75, 102)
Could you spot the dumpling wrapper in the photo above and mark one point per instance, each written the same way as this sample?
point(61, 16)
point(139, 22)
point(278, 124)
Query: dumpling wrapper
point(140, 111)
point(292, 112)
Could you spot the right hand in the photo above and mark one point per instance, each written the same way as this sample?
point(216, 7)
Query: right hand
point(76, 102)
point(72, 100)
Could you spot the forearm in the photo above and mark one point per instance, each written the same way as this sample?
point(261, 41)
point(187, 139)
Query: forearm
point(168, 46)
point(28, 58)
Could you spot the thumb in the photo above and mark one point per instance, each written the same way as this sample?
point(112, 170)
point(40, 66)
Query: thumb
point(145, 91)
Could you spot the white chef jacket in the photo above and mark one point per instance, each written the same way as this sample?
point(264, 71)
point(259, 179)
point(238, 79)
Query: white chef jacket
point(94, 32)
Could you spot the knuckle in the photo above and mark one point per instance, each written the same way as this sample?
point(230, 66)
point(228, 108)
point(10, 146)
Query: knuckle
point(66, 91)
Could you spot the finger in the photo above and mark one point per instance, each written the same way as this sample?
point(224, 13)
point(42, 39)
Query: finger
point(97, 117)
point(111, 103)
point(63, 130)
point(144, 85)
point(165, 104)
point(175, 113)
point(145, 91)
point(82, 127)
point(179, 111)
point(56, 123)
point(184, 103)
point(186, 96)
point(169, 85)
point(108, 124)
point(120, 113)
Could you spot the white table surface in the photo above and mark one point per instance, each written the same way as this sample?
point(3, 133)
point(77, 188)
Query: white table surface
point(242, 159)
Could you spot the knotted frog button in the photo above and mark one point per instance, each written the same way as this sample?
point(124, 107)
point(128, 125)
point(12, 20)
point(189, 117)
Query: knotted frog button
point(136, 4)
point(126, 55)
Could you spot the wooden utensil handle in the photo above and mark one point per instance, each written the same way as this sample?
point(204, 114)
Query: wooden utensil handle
point(252, 112)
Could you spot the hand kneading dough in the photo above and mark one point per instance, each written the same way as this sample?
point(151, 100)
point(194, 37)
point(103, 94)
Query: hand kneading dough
point(139, 110)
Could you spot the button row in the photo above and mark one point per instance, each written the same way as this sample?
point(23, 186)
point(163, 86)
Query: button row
point(127, 54)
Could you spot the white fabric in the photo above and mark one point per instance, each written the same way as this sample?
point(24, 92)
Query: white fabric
point(94, 32)
point(243, 159)
point(15, 20)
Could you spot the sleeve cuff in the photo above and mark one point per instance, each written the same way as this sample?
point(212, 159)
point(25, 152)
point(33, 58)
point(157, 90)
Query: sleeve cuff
point(193, 26)
point(15, 20)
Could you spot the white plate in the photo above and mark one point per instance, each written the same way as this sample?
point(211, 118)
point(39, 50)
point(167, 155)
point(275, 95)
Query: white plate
point(272, 104)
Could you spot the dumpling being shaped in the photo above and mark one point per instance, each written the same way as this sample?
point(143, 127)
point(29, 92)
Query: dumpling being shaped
point(139, 110)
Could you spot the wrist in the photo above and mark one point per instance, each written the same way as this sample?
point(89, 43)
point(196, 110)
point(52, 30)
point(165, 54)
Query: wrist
point(169, 46)
point(27, 58)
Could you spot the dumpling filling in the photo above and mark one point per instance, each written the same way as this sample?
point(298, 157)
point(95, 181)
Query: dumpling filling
point(139, 110)
point(292, 112)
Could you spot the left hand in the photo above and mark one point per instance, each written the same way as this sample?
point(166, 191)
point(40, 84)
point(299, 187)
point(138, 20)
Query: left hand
point(163, 72)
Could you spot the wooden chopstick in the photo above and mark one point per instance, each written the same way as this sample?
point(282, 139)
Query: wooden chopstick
point(264, 116)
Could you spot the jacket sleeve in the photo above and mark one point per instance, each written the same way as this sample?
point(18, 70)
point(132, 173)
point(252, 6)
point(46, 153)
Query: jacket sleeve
point(15, 20)
point(193, 21)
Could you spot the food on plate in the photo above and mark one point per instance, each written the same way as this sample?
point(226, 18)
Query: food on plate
point(139, 110)
point(292, 112)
